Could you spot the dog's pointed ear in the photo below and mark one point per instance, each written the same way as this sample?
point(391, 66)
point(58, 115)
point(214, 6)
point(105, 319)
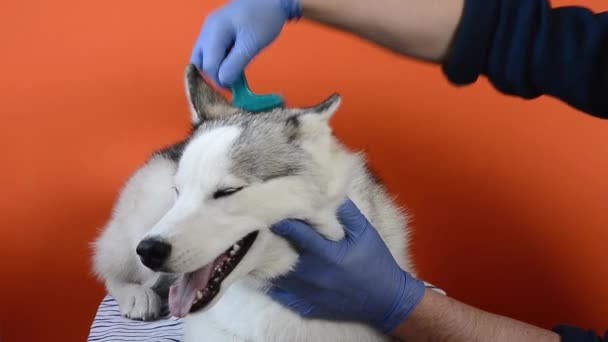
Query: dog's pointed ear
point(312, 122)
point(324, 110)
point(205, 102)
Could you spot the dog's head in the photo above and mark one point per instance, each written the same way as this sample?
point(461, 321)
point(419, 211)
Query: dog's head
point(239, 174)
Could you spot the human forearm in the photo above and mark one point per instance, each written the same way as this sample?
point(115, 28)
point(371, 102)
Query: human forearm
point(440, 318)
point(418, 28)
point(327, 282)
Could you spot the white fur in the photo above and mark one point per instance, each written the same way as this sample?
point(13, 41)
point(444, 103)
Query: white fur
point(199, 228)
point(241, 312)
point(147, 196)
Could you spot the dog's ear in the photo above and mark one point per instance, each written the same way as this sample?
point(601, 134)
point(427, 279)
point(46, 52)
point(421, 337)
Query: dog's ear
point(205, 102)
point(324, 110)
point(312, 122)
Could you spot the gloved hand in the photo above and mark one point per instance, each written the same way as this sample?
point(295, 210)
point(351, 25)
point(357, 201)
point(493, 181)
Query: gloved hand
point(355, 278)
point(249, 25)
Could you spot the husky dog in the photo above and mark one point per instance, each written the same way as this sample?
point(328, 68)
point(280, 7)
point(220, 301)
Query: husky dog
point(198, 213)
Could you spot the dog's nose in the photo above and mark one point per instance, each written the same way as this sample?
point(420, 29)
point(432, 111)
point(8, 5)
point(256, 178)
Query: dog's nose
point(153, 252)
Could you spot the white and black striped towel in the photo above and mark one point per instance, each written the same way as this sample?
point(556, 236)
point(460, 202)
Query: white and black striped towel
point(110, 325)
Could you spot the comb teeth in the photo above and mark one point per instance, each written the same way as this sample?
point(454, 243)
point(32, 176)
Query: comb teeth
point(244, 98)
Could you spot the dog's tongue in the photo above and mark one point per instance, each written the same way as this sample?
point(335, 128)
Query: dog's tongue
point(181, 295)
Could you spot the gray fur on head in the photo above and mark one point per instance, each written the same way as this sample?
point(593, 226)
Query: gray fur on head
point(269, 145)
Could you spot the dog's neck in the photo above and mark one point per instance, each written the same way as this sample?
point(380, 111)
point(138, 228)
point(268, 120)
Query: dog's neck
point(337, 167)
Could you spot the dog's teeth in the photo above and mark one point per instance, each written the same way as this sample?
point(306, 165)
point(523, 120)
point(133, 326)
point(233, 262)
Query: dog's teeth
point(199, 295)
point(235, 248)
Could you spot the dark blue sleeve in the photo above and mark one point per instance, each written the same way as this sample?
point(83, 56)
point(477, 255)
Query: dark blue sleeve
point(527, 49)
point(570, 333)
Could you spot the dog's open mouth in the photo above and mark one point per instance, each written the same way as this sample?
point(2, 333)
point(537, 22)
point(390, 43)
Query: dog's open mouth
point(193, 291)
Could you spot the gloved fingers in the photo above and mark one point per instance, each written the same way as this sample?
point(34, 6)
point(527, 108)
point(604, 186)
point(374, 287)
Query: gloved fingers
point(303, 237)
point(279, 294)
point(196, 57)
point(309, 273)
point(295, 284)
point(245, 48)
point(292, 302)
point(216, 38)
point(351, 218)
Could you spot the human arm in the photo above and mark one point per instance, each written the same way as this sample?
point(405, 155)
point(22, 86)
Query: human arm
point(358, 279)
point(524, 47)
point(418, 28)
point(441, 318)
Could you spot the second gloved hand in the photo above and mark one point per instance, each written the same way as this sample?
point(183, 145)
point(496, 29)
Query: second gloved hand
point(247, 26)
point(356, 278)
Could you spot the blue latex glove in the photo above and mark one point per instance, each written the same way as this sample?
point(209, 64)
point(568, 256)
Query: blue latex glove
point(356, 278)
point(246, 26)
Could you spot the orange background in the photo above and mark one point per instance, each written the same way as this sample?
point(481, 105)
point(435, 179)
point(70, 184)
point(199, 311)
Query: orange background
point(508, 196)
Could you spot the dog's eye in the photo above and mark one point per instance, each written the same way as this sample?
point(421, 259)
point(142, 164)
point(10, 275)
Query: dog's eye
point(226, 192)
point(176, 191)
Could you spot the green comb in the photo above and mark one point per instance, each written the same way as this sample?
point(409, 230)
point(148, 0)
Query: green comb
point(244, 98)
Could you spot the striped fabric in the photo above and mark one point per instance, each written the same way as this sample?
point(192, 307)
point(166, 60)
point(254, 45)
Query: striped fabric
point(110, 325)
